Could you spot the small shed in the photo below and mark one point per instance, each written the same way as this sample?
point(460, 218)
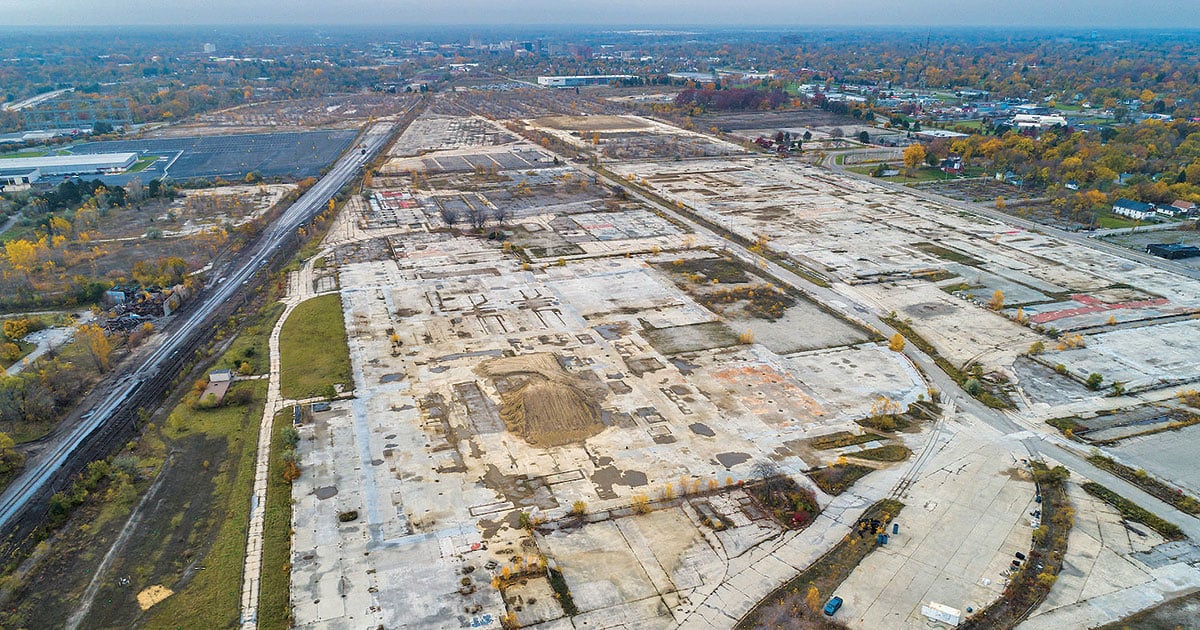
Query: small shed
point(218, 385)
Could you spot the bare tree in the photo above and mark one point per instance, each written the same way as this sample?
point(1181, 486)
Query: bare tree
point(135, 190)
point(476, 217)
point(501, 215)
point(449, 215)
point(772, 475)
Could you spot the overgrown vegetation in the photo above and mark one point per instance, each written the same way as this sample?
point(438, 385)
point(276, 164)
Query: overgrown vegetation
point(1134, 512)
point(790, 504)
point(1147, 483)
point(210, 452)
point(34, 400)
point(836, 479)
point(274, 607)
point(885, 453)
point(562, 593)
point(763, 301)
point(1069, 427)
point(842, 439)
point(797, 603)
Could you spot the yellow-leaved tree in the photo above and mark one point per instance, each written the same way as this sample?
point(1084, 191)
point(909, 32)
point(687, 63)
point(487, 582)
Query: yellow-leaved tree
point(95, 343)
point(914, 155)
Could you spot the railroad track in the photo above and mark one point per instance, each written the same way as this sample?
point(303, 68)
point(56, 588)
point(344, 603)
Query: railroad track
point(113, 420)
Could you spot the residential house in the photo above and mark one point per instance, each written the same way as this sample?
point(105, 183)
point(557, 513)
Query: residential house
point(1179, 208)
point(1135, 210)
point(953, 165)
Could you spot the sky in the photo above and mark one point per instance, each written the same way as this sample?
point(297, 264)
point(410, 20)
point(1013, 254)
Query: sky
point(1160, 14)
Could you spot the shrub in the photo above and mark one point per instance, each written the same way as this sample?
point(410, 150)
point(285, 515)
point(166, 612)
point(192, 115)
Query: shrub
point(291, 436)
point(128, 464)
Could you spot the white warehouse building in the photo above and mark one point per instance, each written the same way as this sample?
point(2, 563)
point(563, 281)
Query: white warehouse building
point(87, 164)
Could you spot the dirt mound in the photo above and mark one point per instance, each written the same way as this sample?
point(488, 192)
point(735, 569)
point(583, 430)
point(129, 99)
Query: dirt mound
point(153, 595)
point(542, 364)
point(542, 402)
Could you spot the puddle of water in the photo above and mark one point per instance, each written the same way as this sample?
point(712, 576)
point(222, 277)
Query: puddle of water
point(683, 366)
point(700, 428)
point(326, 492)
point(391, 378)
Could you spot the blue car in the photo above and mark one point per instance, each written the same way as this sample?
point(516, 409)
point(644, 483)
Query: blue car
point(832, 606)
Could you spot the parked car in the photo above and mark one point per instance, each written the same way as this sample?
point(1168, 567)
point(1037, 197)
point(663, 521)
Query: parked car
point(832, 606)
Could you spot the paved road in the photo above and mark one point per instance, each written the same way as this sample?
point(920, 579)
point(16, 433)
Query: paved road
point(136, 384)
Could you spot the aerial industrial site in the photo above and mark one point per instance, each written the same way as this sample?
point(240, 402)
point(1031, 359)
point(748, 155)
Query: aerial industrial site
point(554, 425)
point(666, 333)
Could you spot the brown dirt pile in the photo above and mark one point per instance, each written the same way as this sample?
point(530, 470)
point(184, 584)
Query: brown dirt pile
point(546, 405)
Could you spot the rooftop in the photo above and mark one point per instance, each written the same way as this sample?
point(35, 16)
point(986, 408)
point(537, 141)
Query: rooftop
point(94, 160)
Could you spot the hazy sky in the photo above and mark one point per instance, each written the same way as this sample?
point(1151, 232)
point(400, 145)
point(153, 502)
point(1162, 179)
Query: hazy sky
point(1057, 13)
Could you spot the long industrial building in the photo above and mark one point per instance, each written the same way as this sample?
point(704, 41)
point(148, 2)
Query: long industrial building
point(59, 165)
point(583, 80)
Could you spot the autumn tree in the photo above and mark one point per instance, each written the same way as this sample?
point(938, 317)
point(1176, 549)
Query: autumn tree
point(896, 342)
point(23, 255)
point(15, 329)
point(813, 599)
point(997, 301)
point(914, 156)
point(10, 458)
point(95, 343)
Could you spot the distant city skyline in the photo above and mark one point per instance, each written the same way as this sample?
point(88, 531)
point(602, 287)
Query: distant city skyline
point(1159, 14)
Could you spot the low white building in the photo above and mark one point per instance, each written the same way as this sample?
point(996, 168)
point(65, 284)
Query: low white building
point(582, 80)
point(1037, 121)
point(83, 164)
point(1135, 210)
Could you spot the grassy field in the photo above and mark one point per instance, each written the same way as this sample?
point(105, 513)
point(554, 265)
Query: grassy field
point(212, 597)
point(1109, 221)
point(886, 453)
point(189, 538)
point(142, 164)
point(313, 349)
point(923, 174)
point(274, 609)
